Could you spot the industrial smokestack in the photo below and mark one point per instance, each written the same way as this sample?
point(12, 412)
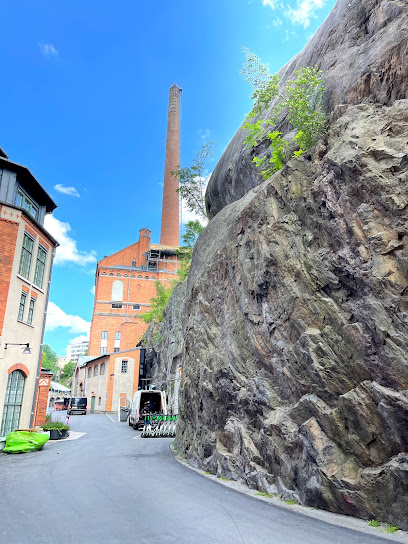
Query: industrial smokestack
point(169, 235)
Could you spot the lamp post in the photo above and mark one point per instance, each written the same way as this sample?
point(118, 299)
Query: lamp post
point(26, 351)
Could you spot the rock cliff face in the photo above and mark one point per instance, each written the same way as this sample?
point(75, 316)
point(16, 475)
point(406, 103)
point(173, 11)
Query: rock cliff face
point(293, 325)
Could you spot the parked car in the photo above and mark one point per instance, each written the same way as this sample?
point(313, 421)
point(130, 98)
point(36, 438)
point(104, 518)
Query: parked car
point(77, 405)
point(146, 402)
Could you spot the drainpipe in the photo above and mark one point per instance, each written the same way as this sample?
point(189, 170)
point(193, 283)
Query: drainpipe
point(42, 337)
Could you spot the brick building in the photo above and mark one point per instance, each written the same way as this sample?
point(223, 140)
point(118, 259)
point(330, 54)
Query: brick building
point(26, 257)
point(125, 282)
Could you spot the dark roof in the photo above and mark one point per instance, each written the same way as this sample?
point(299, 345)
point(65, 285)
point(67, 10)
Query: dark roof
point(3, 153)
point(36, 190)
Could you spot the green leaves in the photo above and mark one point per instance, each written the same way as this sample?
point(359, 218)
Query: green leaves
point(193, 182)
point(158, 304)
point(302, 98)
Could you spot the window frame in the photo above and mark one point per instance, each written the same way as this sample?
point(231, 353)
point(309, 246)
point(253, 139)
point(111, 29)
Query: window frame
point(38, 263)
point(103, 337)
point(22, 305)
point(31, 308)
point(116, 306)
point(26, 256)
point(89, 372)
point(102, 369)
point(126, 363)
point(95, 370)
point(103, 350)
point(31, 203)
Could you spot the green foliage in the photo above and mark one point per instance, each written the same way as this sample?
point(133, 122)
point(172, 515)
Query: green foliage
point(289, 501)
point(49, 360)
point(301, 98)
point(67, 372)
point(391, 528)
point(224, 479)
point(192, 181)
point(265, 494)
point(374, 523)
point(59, 425)
point(159, 302)
point(191, 233)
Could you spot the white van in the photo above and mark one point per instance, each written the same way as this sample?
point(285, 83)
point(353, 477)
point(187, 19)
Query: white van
point(156, 401)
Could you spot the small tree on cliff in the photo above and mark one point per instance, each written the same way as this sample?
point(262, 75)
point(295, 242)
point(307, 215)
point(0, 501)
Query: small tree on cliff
point(193, 182)
point(302, 98)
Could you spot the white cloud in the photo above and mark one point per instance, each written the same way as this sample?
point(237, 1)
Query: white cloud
point(305, 10)
point(205, 134)
point(288, 35)
point(277, 22)
point(71, 191)
point(270, 3)
point(187, 215)
point(48, 50)
point(79, 339)
point(67, 252)
point(93, 290)
point(58, 318)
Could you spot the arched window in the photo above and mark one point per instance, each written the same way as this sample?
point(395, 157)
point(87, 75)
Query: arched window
point(134, 263)
point(132, 276)
point(153, 277)
point(146, 277)
point(103, 273)
point(13, 402)
point(117, 290)
point(95, 370)
point(89, 372)
point(125, 275)
point(102, 369)
point(118, 275)
point(111, 274)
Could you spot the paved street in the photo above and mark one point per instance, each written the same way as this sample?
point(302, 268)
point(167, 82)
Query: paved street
point(110, 487)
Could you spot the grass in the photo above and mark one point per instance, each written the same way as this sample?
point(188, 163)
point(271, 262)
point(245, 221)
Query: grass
point(265, 494)
point(208, 473)
point(391, 528)
point(289, 501)
point(224, 479)
point(374, 523)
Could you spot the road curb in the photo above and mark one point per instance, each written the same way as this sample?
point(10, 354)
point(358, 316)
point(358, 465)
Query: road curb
point(339, 520)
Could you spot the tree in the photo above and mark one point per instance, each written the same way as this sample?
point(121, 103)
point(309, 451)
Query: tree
point(159, 302)
point(67, 372)
point(49, 360)
point(191, 233)
point(192, 181)
point(302, 98)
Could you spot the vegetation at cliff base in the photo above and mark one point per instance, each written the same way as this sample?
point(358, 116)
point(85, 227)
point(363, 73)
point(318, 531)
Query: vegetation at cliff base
point(301, 99)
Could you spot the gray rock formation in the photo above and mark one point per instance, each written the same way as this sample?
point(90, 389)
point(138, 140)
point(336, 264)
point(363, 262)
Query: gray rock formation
point(293, 325)
point(362, 48)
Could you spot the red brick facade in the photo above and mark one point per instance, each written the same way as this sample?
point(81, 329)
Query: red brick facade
point(41, 403)
point(8, 237)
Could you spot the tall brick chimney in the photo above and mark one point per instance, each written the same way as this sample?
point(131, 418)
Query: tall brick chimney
point(169, 235)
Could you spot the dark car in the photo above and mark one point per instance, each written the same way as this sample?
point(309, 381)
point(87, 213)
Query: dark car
point(77, 405)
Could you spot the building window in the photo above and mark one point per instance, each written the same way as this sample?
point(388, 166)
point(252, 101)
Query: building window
point(132, 276)
point(21, 309)
point(104, 335)
point(139, 277)
point(117, 290)
point(99, 401)
point(103, 273)
point(26, 203)
point(146, 277)
point(136, 306)
point(117, 335)
point(40, 266)
point(102, 369)
point(118, 275)
point(134, 263)
point(103, 351)
point(125, 275)
point(31, 311)
point(124, 368)
point(153, 277)
point(111, 274)
point(116, 306)
point(26, 256)
point(95, 370)
point(115, 350)
point(89, 372)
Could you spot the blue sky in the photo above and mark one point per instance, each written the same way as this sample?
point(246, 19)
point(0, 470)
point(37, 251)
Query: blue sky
point(84, 94)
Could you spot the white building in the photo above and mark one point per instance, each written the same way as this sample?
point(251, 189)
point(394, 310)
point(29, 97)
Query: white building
point(76, 350)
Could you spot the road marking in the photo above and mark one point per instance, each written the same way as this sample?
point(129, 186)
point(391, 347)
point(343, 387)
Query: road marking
point(111, 418)
point(136, 437)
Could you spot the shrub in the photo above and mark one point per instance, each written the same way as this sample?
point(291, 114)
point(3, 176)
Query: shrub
point(59, 425)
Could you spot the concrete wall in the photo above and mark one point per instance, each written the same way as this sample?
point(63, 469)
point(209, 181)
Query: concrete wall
point(15, 331)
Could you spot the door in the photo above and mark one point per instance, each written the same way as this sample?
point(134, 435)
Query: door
point(93, 405)
point(13, 402)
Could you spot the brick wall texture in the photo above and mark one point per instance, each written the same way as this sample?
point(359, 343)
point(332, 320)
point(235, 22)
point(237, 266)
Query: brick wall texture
point(8, 237)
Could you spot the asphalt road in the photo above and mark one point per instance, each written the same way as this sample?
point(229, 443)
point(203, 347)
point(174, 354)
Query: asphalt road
point(109, 487)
